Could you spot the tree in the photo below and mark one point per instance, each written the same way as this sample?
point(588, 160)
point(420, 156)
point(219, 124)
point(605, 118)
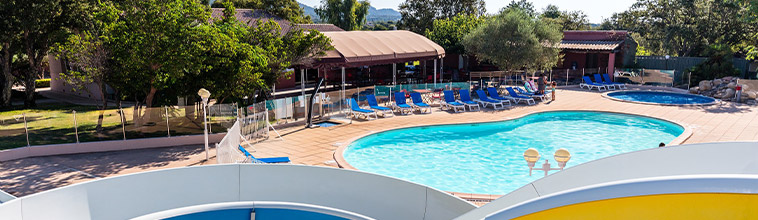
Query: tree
point(718, 65)
point(9, 47)
point(43, 23)
point(686, 28)
point(567, 20)
point(752, 18)
point(515, 40)
point(449, 32)
point(346, 14)
point(523, 5)
point(419, 15)
point(287, 9)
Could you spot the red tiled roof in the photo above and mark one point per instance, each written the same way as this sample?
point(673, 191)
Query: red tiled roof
point(589, 45)
point(249, 16)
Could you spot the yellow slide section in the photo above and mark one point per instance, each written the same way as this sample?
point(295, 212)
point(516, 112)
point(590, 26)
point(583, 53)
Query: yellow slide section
point(667, 206)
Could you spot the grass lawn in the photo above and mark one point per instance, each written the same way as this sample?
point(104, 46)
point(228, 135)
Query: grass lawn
point(54, 124)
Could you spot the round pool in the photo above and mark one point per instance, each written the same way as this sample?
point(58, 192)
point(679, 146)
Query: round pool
point(660, 98)
point(487, 158)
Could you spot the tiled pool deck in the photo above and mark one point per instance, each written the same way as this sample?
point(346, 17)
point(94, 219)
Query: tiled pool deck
point(716, 123)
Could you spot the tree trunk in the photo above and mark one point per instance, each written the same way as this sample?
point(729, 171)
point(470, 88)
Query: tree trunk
point(149, 104)
point(99, 127)
point(31, 76)
point(7, 84)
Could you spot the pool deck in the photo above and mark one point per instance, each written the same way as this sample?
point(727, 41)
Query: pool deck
point(716, 123)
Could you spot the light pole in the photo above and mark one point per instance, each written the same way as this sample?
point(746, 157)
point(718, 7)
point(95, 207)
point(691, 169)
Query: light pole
point(562, 156)
point(205, 94)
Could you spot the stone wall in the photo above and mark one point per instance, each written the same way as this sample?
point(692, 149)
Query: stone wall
point(726, 89)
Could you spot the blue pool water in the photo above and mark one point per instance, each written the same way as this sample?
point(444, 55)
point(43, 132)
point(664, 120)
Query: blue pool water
point(260, 214)
point(487, 158)
point(662, 97)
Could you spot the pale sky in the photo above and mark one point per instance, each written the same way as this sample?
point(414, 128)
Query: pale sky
point(596, 10)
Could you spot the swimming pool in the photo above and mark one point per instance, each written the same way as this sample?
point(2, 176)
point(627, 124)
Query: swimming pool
point(487, 158)
point(664, 98)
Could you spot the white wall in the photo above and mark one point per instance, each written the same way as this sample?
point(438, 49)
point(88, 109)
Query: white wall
point(139, 194)
point(691, 159)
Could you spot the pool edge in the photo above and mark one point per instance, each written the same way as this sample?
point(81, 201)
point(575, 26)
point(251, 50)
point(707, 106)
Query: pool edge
point(605, 95)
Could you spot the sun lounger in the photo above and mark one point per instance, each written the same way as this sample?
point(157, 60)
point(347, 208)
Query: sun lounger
point(400, 104)
point(418, 103)
point(519, 98)
point(607, 79)
point(542, 97)
point(263, 160)
point(485, 101)
point(356, 111)
point(466, 100)
point(589, 84)
point(374, 105)
point(496, 96)
point(599, 80)
point(450, 102)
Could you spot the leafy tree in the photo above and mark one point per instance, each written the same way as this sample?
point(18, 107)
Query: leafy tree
point(346, 14)
point(718, 65)
point(685, 28)
point(42, 23)
point(523, 5)
point(287, 9)
point(515, 40)
point(752, 18)
point(449, 32)
point(419, 15)
point(567, 20)
point(9, 47)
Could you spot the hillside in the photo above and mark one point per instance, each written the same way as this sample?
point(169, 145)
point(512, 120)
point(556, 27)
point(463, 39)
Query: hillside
point(385, 14)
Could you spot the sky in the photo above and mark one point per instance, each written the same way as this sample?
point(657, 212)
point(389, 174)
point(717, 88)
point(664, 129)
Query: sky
point(596, 10)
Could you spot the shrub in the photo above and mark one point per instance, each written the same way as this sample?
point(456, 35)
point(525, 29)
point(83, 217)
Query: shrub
point(718, 65)
point(42, 83)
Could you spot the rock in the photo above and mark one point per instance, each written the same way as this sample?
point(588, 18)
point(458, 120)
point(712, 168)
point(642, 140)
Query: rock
point(705, 85)
point(695, 90)
point(728, 94)
point(745, 87)
point(751, 94)
point(727, 79)
point(731, 85)
point(717, 82)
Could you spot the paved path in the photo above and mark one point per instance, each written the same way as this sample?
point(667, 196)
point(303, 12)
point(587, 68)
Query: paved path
point(725, 122)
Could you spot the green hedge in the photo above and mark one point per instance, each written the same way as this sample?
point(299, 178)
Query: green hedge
point(42, 83)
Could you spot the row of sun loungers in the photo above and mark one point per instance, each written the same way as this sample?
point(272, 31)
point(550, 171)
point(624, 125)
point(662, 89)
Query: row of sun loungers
point(494, 100)
point(602, 82)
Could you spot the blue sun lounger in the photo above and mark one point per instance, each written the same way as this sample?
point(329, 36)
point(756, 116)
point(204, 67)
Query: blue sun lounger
point(356, 111)
point(466, 100)
point(374, 105)
point(607, 79)
point(599, 80)
point(519, 98)
point(400, 104)
point(450, 102)
point(485, 101)
point(418, 103)
point(589, 84)
point(263, 160)
point(496, 96)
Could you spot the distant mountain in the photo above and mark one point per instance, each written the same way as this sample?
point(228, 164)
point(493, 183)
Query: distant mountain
point(385, 14)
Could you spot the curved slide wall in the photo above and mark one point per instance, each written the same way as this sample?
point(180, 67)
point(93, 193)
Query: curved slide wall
point(140, 194)
point(672, 197)
point(690, 159)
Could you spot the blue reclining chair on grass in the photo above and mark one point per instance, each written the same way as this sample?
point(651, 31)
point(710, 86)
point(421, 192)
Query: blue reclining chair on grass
point(519, 98)
point(418, 103)
point(400, 104)
point(356, 111)
point(496, 96)
point(450, 102)
point(374, 105)
point(485, 101)
point(263, 160)
point(589, 84)
point(542, 97)
point(599, 80)
point(608, 80)
point(466, 100)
